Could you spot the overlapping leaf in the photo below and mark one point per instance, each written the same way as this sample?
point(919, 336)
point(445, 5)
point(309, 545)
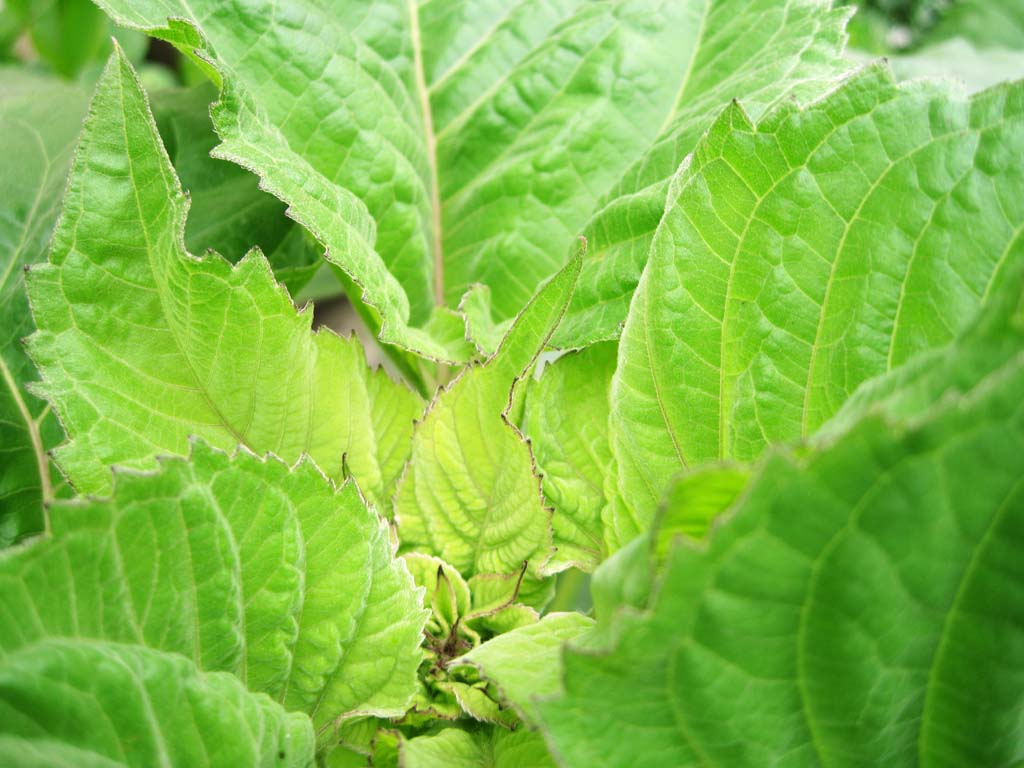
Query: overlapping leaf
point(766, 53)
point(481, 136)
point(227, 212)
point(567, 423)
point(861, 605)
point(470, 493)
point(141, 346)
point(39, 120)
point(525, 663)
point(241, 565)
point(803, 255)
point(484, 747)
point(100, 705)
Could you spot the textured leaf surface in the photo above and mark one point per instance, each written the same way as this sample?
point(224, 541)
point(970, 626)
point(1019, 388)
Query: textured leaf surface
point(765, 52)
point(82, 702)
point(567, 423)
point(480, 135)
point(141, 346)
point(863, 603)
point(489, 747)
point(470, 493)
point(39, 120)
point(804, 255)
point(240, 564)
point(526, 663)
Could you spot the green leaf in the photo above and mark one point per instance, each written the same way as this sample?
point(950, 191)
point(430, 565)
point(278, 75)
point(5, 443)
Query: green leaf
point(977, 68)
point(69, 35)
point(228, 213)
point(487, 747)
point(470, 494)
point(87, 703)
point(567, 423)
point(526, 663)
point(985, 24)
point(240, 564)
point(768, 52)
point(39, 120)
point(141, 345)
point(861, 606)
point(803, 255)
point(481, 136)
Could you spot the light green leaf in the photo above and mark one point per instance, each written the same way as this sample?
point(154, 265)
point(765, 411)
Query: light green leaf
point(141, 345)
point(803, 255)
point(470, 493)
point(862, 605)
point(526, 663)
point(485, 747)
point(39, 121)
point(694, 500)
point(228, 213)
point(240, 564)
point(984, 23)
point(481, 135)
point(83, 703)
point(977, 68)
point(767, 52)
point(567, 423)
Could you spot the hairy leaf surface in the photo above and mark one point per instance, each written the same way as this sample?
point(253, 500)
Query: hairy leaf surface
point(141, 345)
point(803, 255)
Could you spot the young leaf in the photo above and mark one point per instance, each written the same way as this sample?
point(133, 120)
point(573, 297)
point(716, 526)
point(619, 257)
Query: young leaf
point(567, 423)
point(65, 702)
point(470, 493)
point(526, 663)
point(240, 564)
point(883, 628)
point(141, 345)
point(803, 255)
point(39, 120)
point(487, 747)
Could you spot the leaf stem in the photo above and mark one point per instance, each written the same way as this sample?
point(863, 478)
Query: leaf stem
point(42, 462)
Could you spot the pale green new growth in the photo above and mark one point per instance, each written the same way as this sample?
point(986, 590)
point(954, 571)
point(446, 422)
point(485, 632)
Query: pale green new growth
point(470, 493)
point(803, 255)
point(567, 423)
point(142, 346)
point(488, 747)
point(526, 663)
point(240, 564)
point(862, 605)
